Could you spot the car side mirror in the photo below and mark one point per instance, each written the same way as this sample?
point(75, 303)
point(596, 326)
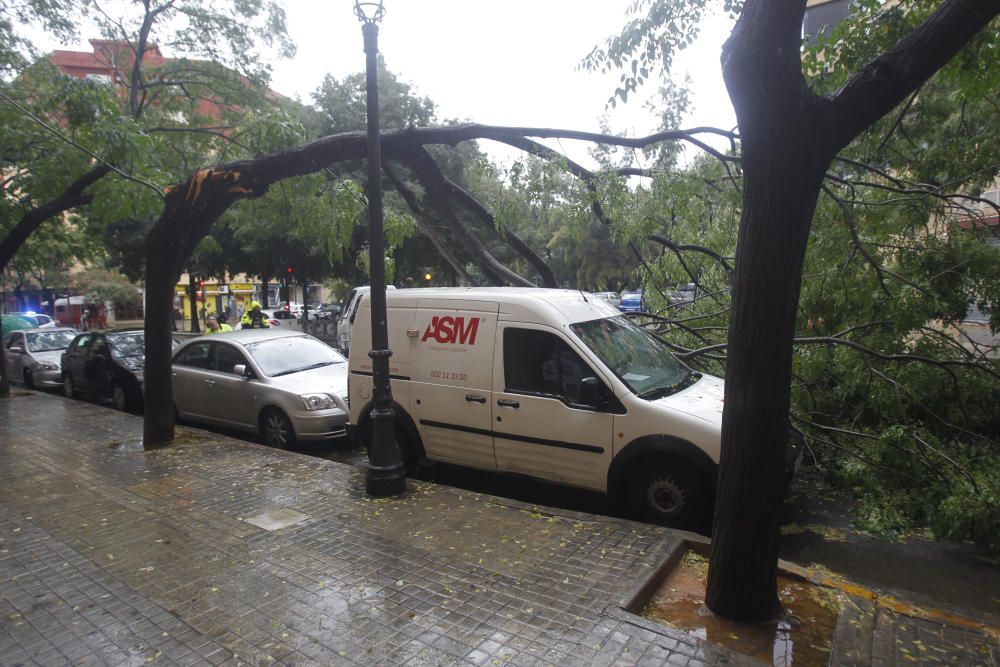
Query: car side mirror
point(16, 348)
point(590, 392)
point(243, 370)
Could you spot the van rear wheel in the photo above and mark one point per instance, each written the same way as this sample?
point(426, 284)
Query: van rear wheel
point(668, 492)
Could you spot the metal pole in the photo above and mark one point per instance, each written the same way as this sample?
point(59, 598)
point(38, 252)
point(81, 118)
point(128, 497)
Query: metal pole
point(385, 475)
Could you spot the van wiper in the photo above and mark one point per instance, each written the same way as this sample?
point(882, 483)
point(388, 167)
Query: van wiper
point(660, 392)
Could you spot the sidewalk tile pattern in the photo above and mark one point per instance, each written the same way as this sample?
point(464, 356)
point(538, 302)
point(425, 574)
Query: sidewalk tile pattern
point(113, 555)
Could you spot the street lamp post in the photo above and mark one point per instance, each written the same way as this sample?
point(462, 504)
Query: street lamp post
point(385, 475)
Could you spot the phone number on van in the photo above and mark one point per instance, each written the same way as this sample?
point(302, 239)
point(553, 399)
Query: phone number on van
point(446, 375)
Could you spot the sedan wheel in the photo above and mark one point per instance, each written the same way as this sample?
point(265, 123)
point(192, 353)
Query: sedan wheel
point(276, 429)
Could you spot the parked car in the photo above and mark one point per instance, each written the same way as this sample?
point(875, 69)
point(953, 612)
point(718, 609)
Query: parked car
point(633, 302)
point(610, 297)
point(326, 311)
point(34, 356)
point(288, 386)
point(286, 319)
point(106, 365)
point(683, 295)
point(10, 322)
point(41, 319)
point(552, 384)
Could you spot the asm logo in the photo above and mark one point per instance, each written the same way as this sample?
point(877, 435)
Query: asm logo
point(452, 330)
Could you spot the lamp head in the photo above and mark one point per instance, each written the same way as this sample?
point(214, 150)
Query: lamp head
point(369, 12)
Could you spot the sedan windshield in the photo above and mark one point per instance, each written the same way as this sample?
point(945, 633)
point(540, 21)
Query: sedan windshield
point(642, 362)
point(57, 339)
point(283, 356)
point(128, 345)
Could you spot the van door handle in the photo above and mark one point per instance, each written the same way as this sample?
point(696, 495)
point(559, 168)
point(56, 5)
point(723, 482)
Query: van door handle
point(508, 404)
point(473, 398)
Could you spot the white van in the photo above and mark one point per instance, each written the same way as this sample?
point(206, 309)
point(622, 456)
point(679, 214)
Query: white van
point(345, 325)
point(555, 384)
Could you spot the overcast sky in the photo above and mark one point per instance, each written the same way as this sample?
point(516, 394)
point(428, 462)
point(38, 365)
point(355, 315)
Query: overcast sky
point(501, 63)
point(510, 62)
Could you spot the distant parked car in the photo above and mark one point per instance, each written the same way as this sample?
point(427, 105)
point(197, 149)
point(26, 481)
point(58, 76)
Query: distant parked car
point(42, 320)
point(288, 386)
point(11, 322)
point(34, 356)
point(286, 319)
point(632, 302)
point(326, 311)
point(683, 295)
point(107, 365)
point(610, 297)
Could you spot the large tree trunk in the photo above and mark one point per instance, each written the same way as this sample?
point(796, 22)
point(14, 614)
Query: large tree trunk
point(162, 273)
point(789, 136)
point(778, 204)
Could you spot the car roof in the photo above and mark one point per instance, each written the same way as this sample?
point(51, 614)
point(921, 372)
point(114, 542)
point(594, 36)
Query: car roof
point(244, 336)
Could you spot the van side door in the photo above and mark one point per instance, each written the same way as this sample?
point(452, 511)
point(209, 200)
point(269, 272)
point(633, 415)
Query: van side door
point(543, 425)
point(452, 378)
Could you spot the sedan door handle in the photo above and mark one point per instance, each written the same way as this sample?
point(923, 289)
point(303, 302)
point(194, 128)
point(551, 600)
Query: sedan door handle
point(473, 398)
point(508, 404)
point(209, 381)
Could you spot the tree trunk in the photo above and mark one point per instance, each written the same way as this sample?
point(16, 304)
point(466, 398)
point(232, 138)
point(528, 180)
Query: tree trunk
point(789, 136)
point(161, 277)
point(778, 205)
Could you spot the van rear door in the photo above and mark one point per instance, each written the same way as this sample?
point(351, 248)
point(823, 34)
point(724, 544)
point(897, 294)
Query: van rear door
point(451, 379)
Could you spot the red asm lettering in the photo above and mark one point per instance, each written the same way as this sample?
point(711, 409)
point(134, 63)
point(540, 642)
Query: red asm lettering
point(452, 330)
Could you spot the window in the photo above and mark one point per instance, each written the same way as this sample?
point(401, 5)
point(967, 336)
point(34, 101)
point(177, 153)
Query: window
point(13, 339)
point(226, 357)
point(195, 356)
point(538, 362)
point(81, 343)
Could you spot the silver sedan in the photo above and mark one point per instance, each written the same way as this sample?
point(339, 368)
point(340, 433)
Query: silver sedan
point(286, 385)
point(33, 356)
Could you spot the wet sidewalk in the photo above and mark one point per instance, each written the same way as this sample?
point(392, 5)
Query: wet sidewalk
point(218, 551)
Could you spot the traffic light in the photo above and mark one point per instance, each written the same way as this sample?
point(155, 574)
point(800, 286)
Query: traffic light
point(288, 269)
point(427, 276)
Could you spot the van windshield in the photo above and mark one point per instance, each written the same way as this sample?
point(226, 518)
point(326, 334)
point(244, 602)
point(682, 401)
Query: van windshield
point(643, 363)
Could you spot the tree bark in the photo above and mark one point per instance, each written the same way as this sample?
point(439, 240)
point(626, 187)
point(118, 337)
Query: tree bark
point(789, 137)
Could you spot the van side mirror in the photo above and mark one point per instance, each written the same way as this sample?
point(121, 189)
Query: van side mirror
point(590, 392)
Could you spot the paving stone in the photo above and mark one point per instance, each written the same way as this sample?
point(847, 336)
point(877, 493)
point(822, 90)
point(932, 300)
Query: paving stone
point(114, 555)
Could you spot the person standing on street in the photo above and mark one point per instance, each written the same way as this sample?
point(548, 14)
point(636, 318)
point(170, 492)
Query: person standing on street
point(212, 325)
point(254, 318)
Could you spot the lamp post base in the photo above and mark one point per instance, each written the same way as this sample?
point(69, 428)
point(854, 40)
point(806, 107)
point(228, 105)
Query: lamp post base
point(382, 481)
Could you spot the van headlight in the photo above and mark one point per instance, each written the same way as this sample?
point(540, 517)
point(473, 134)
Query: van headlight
point(318, 401)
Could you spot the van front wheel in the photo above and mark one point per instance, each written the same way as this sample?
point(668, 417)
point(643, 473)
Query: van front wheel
point(668, 492)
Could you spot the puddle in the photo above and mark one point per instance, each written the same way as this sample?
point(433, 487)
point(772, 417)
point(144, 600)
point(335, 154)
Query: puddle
point(130, 445)
point(803, 636)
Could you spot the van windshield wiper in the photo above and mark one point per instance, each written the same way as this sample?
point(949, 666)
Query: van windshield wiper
point(660, 392)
